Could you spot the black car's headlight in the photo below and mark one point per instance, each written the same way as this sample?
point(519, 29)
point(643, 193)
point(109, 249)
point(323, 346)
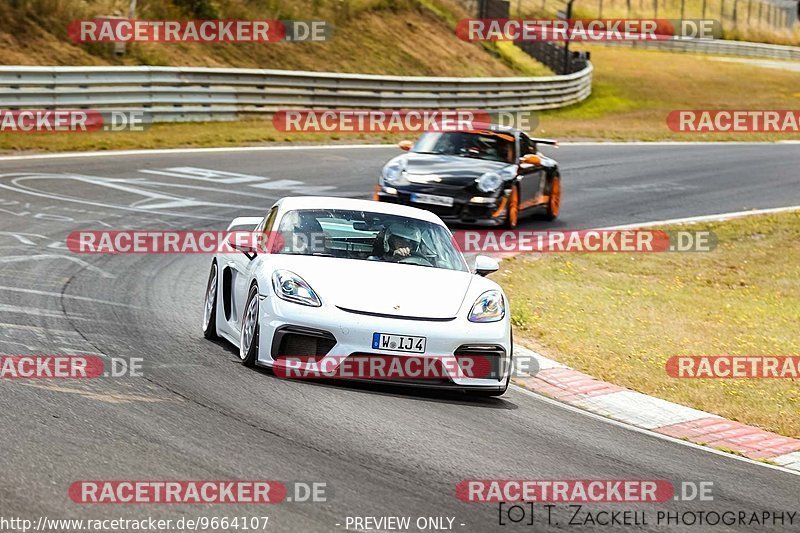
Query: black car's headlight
point(489, 182)
point(292, 288)
point(392, 172)
point(489, 307)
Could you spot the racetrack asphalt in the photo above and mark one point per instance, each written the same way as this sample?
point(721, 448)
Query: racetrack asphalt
point(199, 414)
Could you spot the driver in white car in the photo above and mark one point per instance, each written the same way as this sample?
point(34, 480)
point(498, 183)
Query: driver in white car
point(401, 241)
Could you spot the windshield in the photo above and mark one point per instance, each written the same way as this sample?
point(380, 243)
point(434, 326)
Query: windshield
point(368, 236)
point(493, 146)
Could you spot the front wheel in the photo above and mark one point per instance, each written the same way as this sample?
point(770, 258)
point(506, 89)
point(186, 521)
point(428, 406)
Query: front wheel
point(248, 342)
point(512, 210)
point(210, 305)
point(554, 201)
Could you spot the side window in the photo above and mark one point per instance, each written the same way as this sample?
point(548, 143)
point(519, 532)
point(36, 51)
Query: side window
point(525, 145)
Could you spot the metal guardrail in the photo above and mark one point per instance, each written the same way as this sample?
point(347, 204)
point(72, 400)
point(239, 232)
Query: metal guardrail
point(715, 47)
point(188, 93)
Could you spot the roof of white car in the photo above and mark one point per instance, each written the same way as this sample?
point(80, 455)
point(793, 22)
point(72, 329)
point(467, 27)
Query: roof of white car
point(330, 202)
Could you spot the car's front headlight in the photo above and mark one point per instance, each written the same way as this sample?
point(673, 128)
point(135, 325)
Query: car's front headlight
point(489, 307)
point(489, 182)
point(393, 171)
point(292, 288)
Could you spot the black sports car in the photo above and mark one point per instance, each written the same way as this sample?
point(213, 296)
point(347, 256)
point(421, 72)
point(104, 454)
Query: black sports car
point(489, 177)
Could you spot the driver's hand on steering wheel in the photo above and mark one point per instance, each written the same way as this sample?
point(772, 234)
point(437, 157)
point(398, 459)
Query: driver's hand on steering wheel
point(402, 252)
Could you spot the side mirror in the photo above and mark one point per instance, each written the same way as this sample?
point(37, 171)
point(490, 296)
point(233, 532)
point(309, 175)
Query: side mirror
point(245, 245)
point(405, 145)
point(530, 159)
point(485, 265)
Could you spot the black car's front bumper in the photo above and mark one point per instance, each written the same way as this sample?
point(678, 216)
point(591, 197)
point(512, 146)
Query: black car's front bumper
point(463, 210)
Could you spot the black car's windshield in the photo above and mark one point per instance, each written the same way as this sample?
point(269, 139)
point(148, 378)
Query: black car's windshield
point(494, 146)
point(368, 236)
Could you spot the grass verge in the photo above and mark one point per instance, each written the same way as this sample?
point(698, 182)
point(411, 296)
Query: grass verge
point(619, 317)
point(634, 91)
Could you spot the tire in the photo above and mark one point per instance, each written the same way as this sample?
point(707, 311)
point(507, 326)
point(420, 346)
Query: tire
point(512, 210)
point(554, 202)
point(210, 304)
point(248, 340)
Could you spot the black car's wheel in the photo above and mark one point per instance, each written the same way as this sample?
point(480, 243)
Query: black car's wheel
point(248, 341)
point(554, 200)
point(512, 209)
point(210, 305)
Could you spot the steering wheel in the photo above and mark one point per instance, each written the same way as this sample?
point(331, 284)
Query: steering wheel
point(415, 260)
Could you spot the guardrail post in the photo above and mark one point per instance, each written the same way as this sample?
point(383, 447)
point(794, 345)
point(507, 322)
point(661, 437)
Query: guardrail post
point(568, 16)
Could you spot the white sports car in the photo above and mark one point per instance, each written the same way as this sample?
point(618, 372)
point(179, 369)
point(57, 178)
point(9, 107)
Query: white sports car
point(357, 278)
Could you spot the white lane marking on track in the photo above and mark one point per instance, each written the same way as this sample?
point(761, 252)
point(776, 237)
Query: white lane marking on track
point(177, 151)
point(205, 174)
point(48, 313)
point(705, 218)
point(66, 296)
point(235, 178)
point(25, 190)
point(278, 184)
point(39, 257)
point(125, 185)
point(649, 432)
point(674, 143)
point(167, 151)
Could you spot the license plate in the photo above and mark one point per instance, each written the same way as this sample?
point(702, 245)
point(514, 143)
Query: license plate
point(398, 343)
point(432, 199)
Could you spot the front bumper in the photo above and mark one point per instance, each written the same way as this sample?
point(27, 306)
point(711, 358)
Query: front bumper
point(463, 211)
point(353, 335)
